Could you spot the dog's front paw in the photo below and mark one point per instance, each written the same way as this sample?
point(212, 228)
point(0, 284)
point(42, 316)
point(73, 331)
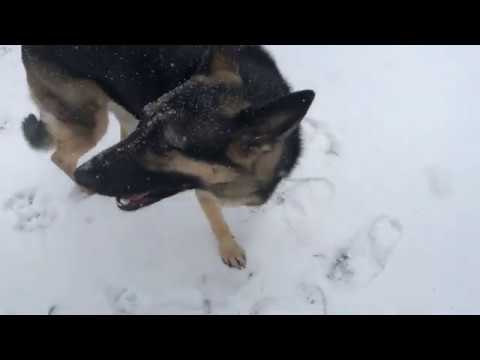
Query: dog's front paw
point(233, 255)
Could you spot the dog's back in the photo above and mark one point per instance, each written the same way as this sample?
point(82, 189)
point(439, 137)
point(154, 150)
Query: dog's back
point(134, 76)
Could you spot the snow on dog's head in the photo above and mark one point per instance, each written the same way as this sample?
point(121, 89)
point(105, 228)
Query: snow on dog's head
point(205, 135)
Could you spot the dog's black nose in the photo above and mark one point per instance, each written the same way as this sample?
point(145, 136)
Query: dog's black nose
point(85, 177)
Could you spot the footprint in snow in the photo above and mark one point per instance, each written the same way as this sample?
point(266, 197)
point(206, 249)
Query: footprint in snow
point(314, 298)
point(318, 131)
point(307, 299)
point(123, 301)
point(31, 210)
point(367, 254)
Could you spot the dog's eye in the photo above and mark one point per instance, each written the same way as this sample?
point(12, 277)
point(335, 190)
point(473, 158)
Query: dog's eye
point(255, 147)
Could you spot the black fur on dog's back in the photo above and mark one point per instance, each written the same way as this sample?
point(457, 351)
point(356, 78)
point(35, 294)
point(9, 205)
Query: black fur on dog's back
point(134, 76)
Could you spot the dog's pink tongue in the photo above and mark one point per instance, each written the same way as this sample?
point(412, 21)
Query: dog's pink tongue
point(137, 198)
point(133, 200)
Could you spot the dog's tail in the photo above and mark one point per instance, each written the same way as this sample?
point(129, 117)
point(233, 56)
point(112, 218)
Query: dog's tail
point(36, 133)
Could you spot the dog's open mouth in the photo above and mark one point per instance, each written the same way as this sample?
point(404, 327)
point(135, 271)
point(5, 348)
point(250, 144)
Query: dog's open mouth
point(137, 201)
point(141, 200)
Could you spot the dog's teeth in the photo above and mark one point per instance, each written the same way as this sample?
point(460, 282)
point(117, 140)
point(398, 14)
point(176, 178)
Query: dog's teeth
point(124, 201)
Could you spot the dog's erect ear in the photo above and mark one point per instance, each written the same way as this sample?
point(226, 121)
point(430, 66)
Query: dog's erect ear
point(276, 120)
point(224, 59)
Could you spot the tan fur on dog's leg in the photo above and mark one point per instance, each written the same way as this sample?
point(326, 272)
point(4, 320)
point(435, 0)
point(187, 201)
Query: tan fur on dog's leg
point(127, 121)
point(232, 254)
point(66, 158)
point(71, 146)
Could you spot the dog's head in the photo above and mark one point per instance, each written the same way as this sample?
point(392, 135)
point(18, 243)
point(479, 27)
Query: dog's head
point(202, 135)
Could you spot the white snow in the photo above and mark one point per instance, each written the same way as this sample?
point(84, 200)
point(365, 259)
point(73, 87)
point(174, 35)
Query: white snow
point(380, 217)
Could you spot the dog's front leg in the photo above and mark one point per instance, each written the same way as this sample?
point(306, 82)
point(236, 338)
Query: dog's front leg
point(232, 254)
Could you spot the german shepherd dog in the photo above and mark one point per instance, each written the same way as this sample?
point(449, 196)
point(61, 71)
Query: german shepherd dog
point(220, 120)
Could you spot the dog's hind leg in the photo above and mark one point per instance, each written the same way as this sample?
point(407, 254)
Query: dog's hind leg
point(74, 142)
point(232, 254)
point(73, 112)
point(127, 121)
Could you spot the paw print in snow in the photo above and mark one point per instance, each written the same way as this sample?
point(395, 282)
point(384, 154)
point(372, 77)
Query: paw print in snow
point(368, 253)
point(31, 211)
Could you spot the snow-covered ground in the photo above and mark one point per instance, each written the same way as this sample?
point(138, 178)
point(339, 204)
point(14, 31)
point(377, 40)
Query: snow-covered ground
point(382, 216)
